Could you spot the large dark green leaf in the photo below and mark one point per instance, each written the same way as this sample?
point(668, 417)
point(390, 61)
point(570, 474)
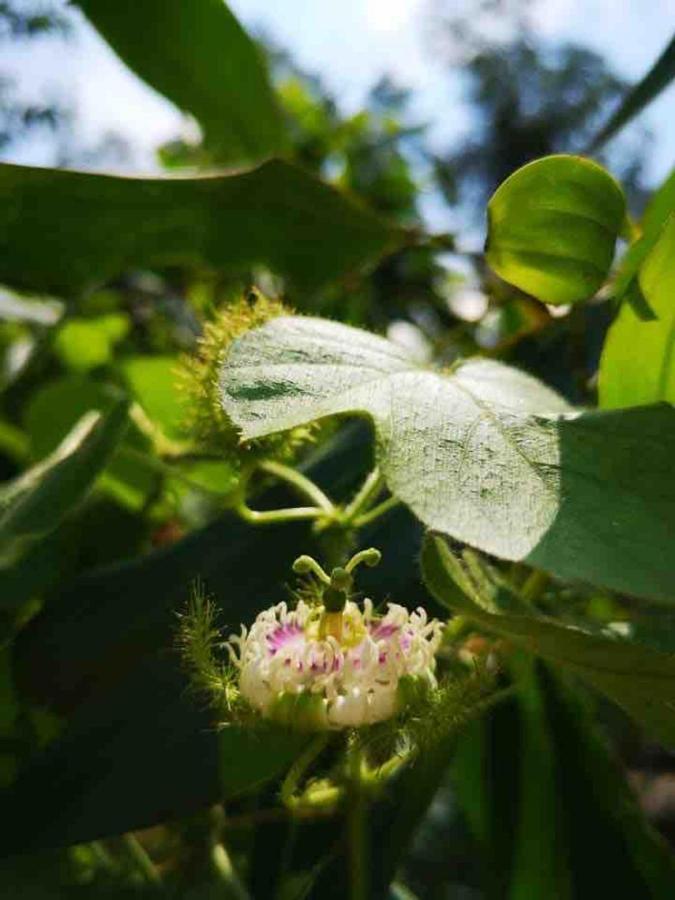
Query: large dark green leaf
point(485, 453)
point(93, 227)
point(137, 754)
point(638, 361)
point(549, 805)
point(553, 226)
point(35, 503)
point(638, 678)
point(641, 95)
point(198, 55)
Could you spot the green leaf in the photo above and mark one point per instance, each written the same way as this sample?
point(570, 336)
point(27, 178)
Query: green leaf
point(85, 344)
point(53, 410)
point(641, 95)
point(135, 755)
point(35, 503)
point(152, 380)
point(640, 679)
point(638, 362)
point(552, 228)
point(485, 454)
point(203, 61)
point(659, 209)
point(549, 804)
point(93, 227)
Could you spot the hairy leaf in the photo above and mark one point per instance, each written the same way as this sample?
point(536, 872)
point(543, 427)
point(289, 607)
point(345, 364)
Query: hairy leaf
point(93, 227)
point(202, 59)
point(485, 453)
point(639, 679)
point(553, 226)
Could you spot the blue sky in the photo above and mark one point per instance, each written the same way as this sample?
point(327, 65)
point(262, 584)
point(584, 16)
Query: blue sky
point(350, 43)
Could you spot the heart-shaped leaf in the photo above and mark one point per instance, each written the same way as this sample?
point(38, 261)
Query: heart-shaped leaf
point(484, 453)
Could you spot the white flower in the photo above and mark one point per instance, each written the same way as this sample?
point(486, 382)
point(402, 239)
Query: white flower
point(316, 669)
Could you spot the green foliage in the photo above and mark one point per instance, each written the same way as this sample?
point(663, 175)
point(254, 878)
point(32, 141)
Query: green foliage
point(553, 226)
point(116, 696)
point(84, 344)
point(225, 222)
point(637, 364)
point(636, 677)
point(547, 802)
point(201, 74)
point(484, 453)
point(33, 505)
point(647, 89)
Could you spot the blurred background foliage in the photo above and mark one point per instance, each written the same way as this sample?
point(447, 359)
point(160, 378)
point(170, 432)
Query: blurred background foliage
point(88, 715)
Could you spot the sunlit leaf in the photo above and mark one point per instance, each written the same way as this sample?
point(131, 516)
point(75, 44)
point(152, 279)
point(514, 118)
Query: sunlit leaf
point(638, 359)
point(485, 453)
point(641, 95)
point(152, 380)
point(202, 59)
point(84, 344)
point(553, 226)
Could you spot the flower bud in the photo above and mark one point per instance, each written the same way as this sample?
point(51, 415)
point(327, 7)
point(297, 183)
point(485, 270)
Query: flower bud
point(199, 378)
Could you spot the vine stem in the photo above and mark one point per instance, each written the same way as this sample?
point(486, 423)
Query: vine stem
point(302, 485)
point(368, 491)
point(375, 513)
point(271, 516)
point(357, 828)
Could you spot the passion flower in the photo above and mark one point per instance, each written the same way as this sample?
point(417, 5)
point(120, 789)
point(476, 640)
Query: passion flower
point(334, 664)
